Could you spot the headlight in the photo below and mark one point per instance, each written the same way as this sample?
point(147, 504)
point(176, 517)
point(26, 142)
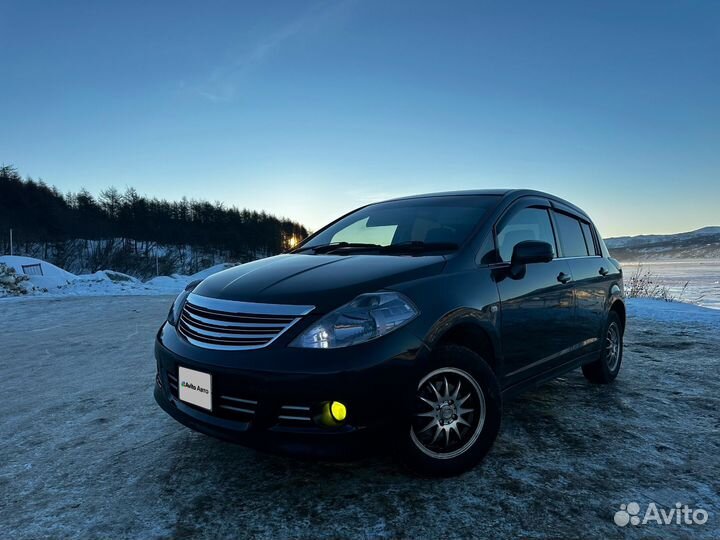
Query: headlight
point(176, 308)
point(367, 317)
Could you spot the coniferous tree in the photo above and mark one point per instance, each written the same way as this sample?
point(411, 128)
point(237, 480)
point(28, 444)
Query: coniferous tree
point(129, 230)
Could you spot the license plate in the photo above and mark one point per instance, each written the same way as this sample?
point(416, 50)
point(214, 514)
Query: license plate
point(195, 387)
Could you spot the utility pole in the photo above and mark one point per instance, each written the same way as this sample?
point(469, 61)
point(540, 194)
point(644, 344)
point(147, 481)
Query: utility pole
point(157, 263)
point(11, 243)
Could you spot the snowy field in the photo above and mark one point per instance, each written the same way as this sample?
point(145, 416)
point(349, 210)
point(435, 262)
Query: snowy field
point(87, 453)
point(56, 282)
point(702, 278)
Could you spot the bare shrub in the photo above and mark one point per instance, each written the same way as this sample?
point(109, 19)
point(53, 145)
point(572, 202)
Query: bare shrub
point(645, 284)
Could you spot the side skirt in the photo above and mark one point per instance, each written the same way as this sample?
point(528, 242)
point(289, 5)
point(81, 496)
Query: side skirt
point(514, 390)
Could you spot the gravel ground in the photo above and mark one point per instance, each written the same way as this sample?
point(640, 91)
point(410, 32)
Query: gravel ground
point(87, 453)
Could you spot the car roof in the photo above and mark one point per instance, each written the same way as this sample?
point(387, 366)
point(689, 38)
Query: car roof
point(454, 193)
point(511, 194)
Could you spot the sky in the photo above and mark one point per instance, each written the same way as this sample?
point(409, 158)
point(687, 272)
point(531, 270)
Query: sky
point(309, 109)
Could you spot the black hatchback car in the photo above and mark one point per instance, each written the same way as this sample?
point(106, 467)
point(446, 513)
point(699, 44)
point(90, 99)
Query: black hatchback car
point(404, 324)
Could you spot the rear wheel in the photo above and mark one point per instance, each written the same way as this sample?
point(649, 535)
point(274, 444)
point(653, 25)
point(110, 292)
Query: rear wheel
point(456, 414)
point(605, 369)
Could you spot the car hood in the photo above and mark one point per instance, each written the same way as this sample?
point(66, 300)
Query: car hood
point(324, 281)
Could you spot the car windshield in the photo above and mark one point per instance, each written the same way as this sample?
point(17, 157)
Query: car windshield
point(422, 224)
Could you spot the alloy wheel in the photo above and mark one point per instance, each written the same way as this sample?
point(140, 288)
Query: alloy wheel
point(450, 413)
point(612, 347)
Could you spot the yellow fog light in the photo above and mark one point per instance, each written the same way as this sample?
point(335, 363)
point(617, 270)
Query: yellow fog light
point(338, 411)
point(332, 414)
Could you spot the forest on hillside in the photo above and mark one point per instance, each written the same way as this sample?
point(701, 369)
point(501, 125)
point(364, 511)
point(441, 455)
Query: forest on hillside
point(131, 233)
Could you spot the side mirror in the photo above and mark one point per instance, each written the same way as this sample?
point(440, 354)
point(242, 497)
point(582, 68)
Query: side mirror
point(531, 251)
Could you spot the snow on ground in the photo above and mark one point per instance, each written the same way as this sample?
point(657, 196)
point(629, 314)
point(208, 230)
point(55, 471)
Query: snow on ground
point(52, 277)
point(56, 282)
point(88, 454)
point(659, 310)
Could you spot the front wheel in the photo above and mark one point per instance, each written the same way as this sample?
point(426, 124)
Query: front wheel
point(605, 369)
point(456, 414)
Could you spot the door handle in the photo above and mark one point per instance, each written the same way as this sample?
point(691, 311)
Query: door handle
point(603, 271)
point(563, 277)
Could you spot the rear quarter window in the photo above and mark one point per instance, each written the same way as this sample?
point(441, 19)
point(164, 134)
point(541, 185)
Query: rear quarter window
point(589, 239)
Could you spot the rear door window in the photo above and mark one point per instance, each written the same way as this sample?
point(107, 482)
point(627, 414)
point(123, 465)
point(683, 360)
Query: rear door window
point(572, 240)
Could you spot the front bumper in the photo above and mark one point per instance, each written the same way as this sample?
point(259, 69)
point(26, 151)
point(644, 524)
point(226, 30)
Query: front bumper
point(277, 408)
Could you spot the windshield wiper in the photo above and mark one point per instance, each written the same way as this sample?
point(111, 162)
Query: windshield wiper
point(414, 246)
point(327, 248)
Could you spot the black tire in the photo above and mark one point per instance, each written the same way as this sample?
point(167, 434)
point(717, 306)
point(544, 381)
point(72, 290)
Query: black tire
point(472, 438)
point(605, 369)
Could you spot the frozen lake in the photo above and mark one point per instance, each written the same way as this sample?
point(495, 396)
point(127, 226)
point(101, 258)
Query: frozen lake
point(702, 277)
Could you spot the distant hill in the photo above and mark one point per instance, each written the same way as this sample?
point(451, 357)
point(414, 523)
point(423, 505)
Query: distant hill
point(700, 244)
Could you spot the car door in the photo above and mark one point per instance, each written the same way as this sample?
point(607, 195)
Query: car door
point(537, 307)
point(579, 247)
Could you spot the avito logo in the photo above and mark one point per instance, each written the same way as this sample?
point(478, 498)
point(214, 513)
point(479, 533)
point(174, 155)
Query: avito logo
point(681, 514)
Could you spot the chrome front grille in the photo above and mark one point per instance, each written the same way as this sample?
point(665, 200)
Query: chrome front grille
point(229, 325)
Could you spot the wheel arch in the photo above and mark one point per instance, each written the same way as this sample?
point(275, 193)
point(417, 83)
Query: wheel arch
point(475, 335)
point(618, 306)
